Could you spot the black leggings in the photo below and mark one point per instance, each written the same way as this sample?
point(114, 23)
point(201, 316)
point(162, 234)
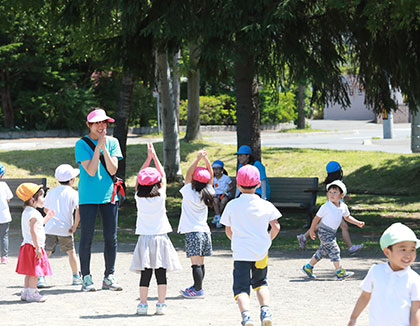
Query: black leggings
point(146, 276)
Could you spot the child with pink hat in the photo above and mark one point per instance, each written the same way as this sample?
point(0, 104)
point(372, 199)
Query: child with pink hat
point(154, 249)
point(246, 220)
point(197, 196)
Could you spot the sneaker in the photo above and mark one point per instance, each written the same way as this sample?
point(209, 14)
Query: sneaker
point(160, 308)
point(219, 225)
point(23, 294)
point(193, 294)
point(4, 260)
point(302, 241)
point(41, 282)
point(191, 288)
point(265, 317)
point(35, 297)
point(342, 274)
point(76, 280)
point(308, 272)
point(109, 283)
point(355, 248)
point(87, 285)
point(247, 321)
point(142, 309)
point(215, 219)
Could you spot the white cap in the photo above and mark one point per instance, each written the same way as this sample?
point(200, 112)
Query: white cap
point(65, 172)
point(339, 184)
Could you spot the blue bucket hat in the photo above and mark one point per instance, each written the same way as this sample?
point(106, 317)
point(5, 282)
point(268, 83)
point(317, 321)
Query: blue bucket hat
point(244, 149)
point(333, 166)
point(218, 164)
point(2, 170)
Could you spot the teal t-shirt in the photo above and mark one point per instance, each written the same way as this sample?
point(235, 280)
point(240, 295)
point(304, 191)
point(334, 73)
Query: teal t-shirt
point(97, 189)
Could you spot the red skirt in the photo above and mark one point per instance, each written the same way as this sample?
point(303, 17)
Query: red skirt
point(29, 264)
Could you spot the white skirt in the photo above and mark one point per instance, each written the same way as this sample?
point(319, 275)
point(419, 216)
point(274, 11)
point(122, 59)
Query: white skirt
point(154, 251)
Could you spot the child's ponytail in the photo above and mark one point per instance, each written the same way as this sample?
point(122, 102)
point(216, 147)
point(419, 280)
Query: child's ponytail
point(202, 188)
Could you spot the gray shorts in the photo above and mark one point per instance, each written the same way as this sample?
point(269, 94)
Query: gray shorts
point(66, 242)
point(329, 247)
point(198, 244)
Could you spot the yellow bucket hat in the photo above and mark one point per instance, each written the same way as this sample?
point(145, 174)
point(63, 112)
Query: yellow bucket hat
point(25, 191)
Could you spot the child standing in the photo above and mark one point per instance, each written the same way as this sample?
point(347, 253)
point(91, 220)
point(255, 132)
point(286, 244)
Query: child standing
point(32, 260)
point(246, 219)
point(393, 288)
point(5, 217)
point(64, 200)
point(334, 172)
point(154, 249)
point(197, 196)
point(222, 185)
point(330, 215)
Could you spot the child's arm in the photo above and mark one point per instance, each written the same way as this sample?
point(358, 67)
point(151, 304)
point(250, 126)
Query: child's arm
point(158, 165)
point(47, 217)
point(361, 304)
point(315, 222)
point(354, 221)
point(76, 221)
point(228, 232)
point(415, 313)
point(275, 228)
point(148, 159)
point(191, 169)
point(209, 168)
point(34, 236)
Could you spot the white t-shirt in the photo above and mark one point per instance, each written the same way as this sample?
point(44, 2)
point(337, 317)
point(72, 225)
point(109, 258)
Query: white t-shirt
point(248, 217)
point(221, 185)
point(5, 196)
point(194, 211)
point(27, 214)
point(151, 215)
point(391, 294)
point(63, 199)
point(332, 215)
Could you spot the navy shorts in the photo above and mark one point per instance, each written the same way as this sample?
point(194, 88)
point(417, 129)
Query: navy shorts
point(198, 244)
point(248, 274)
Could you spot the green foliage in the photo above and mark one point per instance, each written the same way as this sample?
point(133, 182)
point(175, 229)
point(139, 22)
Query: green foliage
point(276, 108)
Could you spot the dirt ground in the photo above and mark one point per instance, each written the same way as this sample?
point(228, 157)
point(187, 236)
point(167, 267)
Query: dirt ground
point(295, 300)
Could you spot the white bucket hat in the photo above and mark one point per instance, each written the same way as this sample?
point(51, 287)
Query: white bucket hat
point(339, 184)
point(65, 172)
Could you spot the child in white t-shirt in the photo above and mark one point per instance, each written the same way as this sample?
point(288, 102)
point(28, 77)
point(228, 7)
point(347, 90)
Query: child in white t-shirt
point(330, 216)
point(197, 196)
point(64, 200)
point(222, 185)
point(154, 250)
point(5, 217)
point(393, 288)
point(247, 219)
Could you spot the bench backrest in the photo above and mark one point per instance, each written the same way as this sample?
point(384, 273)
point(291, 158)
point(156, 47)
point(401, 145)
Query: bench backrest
point(293, 190)
point(16, 202)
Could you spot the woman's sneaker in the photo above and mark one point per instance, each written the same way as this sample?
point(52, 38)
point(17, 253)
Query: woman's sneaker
point(87, 285)
point(35, 296)
point(192, 293)
point(343, 274)
point(76, 280)
point(142, 309)
point(109, 283)
point(160, 308)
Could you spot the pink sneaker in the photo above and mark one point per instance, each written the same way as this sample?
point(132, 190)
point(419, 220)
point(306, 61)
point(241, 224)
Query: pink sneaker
point(35, 297)
point(4, 260)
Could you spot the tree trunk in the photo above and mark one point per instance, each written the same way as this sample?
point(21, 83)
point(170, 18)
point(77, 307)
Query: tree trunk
point(415, 132)
point(171, 150)
point(301, 107)
point(6, 100)
point(193, 117)
point(121, 119)
point(247, 109)
point(176, 76)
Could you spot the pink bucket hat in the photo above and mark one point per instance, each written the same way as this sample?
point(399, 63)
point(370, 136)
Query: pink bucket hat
point(148, 176)
point(98, 115)
point(248, 176)
point(201, 175)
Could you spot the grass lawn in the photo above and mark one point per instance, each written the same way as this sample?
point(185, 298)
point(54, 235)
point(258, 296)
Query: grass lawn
point(384, 187)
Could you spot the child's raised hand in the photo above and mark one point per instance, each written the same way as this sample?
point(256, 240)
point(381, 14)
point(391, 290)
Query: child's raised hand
point(201, 153)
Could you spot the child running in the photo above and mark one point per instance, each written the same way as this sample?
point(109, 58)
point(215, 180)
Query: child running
point(32, 260)
point(64, 200)
point(154, 250)
point(334, 172)
point(330, 215)
point(247, 219)
point(222, 185)
point(197, 196)
point(5, 217)
point(393, 288)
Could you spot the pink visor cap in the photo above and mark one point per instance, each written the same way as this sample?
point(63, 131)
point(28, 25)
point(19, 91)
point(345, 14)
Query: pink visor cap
point(148, 176)
point(98, 115)
point(248, 176)
point(201, 175)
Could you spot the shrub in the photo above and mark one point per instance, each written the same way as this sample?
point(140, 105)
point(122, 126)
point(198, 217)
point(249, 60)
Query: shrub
point(274, 110)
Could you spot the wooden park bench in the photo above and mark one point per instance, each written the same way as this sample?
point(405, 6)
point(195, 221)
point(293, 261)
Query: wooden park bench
point(16, 202)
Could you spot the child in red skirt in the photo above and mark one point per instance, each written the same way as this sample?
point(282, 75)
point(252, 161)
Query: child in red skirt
point(32, 260)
